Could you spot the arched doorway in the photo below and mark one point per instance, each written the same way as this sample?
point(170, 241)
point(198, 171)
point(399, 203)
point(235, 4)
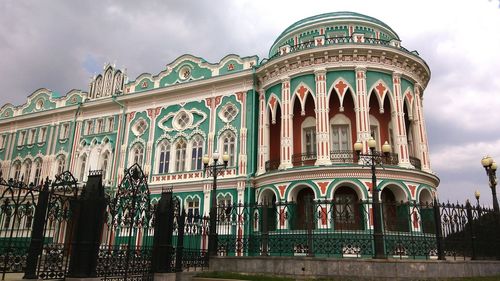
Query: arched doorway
point(346, 210)
point(268, 210)
point(427, 212)
point(395, 211)
point(304, 218)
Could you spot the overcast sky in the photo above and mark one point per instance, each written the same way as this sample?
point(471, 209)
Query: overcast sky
point(61, 44)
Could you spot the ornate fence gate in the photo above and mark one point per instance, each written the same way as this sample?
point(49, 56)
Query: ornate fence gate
point(127, 238)
point(59, 221)
point(17, 208)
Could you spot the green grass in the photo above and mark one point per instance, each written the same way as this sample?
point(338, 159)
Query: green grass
point(232, 275)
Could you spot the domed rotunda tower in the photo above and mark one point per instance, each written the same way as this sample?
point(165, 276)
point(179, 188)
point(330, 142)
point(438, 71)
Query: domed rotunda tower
point(332, 80)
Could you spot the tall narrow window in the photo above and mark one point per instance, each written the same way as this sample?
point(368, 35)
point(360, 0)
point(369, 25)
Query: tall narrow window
point(100, 127)
point(61, 163)
point(310, 140)
point(197, 153)
point(229, 147)
point(22, 138)
point(2, 141)
point(374, 133)
point(340, 137)
point(27, 171)
point(90, 128)
point(42, 134)
point(31, 136)
point(164, 157)
point(38, 171)
point(83, 164)
point(64, 131)
point(104, 165)
point(411, 151)
point(138, 154)
point(180, 155)
point(17, 170)
point(391, 138)
point(111, 124)
point(193, 207)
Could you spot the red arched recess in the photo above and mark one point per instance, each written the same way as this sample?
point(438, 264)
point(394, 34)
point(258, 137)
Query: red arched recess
point(383, 118)
point(298, 119)
point(334, 105)
point(275, 134)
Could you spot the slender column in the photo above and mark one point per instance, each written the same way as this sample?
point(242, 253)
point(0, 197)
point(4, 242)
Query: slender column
point(421, 131)
point(286, 126)
point(263, 154)
point(322, 127)
point(152, 113)
point(361, 108)
point(401, 140)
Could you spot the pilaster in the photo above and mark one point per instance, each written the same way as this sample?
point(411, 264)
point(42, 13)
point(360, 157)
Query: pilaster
point(401, 140)
point(361, 108)
point(421, 131)
point(286, 126)
point(263, 149)
point(322, 126)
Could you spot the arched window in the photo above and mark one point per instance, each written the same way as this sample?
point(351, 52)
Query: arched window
point(309, 136)
point(193, 207)
point(104, 165)
point(61, 164)
point(27, 171)
point(197, 153)
point(17, 170)
point(138, 154)
point(164, 157)
point(180, 155)
point(229, 147)
point(340, 133)
point(38, 171)
point(83, 164)
point(375, 130)
point(347, 209)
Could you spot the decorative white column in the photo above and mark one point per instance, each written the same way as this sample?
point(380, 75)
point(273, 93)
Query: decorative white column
point(421, 131)
point(242, 165)
point(401, 140)
point(286, 150)
point(361, 108)
point(322, 127)
point(263, 149)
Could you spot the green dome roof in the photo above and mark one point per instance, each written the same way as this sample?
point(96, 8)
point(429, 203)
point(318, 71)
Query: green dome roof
point(330, 18)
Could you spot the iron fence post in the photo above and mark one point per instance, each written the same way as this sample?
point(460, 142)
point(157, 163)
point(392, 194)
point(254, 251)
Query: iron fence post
point(162, 243)
point(89, 225)
point(180, 242)
point(439, 232)
point(470, 219)
point(36, 243)
point(265, 230)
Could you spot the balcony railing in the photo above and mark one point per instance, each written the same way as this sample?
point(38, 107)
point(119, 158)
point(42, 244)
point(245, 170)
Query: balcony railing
point(335, 41)
point(340, 157)
point(416, 163)
point(304, 159)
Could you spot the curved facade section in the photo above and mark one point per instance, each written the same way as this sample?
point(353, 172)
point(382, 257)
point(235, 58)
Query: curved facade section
point(289, 123)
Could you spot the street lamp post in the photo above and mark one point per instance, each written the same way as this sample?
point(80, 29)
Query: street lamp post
point(373, 159)
point(477, 194)
point(214, 169)
point(490, 166)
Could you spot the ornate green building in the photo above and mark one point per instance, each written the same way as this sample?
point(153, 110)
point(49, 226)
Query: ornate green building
point(288, 122)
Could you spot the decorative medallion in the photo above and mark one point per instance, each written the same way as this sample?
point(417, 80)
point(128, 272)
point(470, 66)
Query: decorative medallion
point(185, 73)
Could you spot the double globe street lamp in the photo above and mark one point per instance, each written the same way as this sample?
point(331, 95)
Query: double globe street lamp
point(372, 159)
point(213, 170)
point(490, 166)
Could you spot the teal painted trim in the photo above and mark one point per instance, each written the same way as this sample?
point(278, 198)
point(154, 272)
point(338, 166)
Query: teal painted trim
point(348, 75)
point(308, 183)
point(121, 133)
point(275, 89)
point(387, 182)
point(271, 187)
point(308, 80)
point(339, 182)
point(70, 148)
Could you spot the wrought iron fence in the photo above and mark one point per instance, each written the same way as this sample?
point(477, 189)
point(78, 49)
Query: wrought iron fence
point(17, 208)
point(272, 165)
point(304, 159)
point(416, 162)
point(336, 228)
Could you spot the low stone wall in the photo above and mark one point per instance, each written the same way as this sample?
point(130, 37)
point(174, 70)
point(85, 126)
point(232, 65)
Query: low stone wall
point(355, 269)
